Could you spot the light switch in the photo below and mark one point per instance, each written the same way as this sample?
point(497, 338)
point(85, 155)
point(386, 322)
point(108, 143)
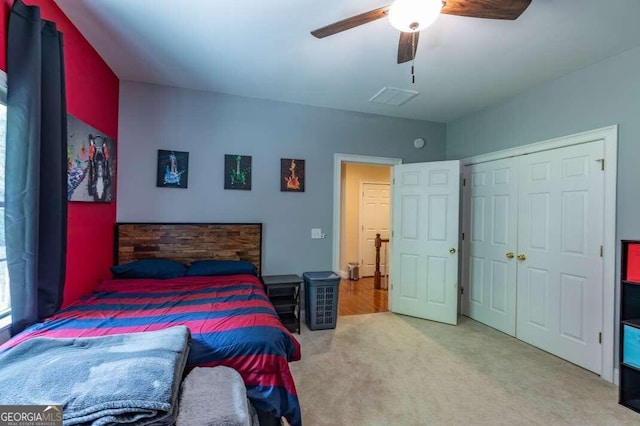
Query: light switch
point(316, 233)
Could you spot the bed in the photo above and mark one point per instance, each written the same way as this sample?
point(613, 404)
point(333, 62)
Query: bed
point(231, 320)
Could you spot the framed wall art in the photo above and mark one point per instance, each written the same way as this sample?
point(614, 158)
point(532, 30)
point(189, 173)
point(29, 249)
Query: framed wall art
point(291, 175)
point(237, 172)
point(173, 169)
point(91, 159)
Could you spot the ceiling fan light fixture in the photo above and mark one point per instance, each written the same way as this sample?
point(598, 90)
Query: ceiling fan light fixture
point(410, 16)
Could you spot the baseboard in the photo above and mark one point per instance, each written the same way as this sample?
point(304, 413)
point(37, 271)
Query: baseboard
point(343, 274)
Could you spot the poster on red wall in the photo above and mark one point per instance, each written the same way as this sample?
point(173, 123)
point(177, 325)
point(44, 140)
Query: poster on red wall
point(91, 159)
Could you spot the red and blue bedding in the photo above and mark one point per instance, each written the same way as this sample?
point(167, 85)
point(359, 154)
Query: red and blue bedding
point(231, 320)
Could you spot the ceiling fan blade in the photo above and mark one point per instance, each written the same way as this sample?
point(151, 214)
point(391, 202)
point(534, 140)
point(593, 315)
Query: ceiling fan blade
point(406, 46)
point(492, 9)
point(354, 21)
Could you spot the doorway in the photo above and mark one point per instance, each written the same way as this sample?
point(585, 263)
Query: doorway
point(546, 207)
point(361, 210)
point(374, 220)
point(540, 245)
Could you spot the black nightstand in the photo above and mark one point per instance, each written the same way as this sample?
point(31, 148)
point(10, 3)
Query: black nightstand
point(284, 293)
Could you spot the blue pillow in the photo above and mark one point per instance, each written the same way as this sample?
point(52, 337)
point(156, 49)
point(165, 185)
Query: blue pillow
point(150, 268)
point(221, 267)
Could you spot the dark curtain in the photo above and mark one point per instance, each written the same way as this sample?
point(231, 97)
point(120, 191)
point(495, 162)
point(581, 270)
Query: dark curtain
point(36, 166)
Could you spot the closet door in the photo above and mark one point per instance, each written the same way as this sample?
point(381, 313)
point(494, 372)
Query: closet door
point(491, 294)
point(560, 231)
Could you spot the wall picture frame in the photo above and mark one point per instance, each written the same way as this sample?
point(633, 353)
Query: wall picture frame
point(91, 163)
point(292, 175)
point(173, 169)
point(237, 172)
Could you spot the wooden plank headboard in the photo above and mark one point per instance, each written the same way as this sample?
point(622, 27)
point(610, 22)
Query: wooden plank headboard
point(188, 242)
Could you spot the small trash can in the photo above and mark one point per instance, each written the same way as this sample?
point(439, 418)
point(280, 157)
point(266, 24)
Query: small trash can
point(354, 271)
point(321, 299)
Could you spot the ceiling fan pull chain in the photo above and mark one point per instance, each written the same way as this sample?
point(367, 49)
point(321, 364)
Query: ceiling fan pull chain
point(413, 57)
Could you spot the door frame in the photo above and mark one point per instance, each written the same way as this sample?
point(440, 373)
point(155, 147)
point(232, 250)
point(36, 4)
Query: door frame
point(610, 137)
point(338, 159)
point(360, 207)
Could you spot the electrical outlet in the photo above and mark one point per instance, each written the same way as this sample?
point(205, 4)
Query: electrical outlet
point(316, 233)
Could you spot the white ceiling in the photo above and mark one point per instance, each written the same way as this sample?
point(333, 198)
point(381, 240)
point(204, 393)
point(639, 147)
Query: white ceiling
point(263, 49)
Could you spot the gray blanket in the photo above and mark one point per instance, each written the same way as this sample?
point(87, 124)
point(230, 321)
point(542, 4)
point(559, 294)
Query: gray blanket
point(125, 378)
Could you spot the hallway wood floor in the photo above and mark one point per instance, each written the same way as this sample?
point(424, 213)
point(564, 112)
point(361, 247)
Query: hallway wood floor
point(359, 297)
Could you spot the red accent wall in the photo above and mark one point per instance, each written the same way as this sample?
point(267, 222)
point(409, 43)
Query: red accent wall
point(92, 96)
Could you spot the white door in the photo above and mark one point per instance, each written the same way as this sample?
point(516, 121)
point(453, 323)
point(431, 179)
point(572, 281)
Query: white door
point(374, 220)
point(424, 258)
point(490, 296)
point(560, 232)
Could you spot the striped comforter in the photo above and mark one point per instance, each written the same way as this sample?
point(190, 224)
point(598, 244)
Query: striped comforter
point(231, 320)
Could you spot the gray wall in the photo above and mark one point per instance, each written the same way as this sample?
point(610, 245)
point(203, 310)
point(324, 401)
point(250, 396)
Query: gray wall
point(210, 125)
point(600, 95)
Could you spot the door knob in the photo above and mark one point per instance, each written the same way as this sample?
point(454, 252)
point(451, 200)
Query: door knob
point(452, 250)
point(509, 255)
point(522, 257)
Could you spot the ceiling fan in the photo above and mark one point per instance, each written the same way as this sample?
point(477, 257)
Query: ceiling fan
point(411, 16)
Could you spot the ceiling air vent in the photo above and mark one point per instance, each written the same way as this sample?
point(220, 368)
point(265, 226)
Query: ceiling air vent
point(393, 96)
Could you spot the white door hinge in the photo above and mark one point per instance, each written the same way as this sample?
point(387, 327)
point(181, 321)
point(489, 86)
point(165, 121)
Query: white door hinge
point(461, 290)
point(600, 337)
point(463, 236)
point(601, 251)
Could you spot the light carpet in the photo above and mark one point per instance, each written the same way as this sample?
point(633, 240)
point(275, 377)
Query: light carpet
point(387, 369)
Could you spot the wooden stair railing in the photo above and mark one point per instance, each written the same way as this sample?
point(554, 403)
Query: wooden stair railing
point(377, 275)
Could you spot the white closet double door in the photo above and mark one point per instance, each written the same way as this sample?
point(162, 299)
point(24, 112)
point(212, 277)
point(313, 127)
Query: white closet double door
point(535, 270)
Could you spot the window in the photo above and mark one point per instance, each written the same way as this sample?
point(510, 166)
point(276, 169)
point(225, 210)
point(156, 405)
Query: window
point(5, 301)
